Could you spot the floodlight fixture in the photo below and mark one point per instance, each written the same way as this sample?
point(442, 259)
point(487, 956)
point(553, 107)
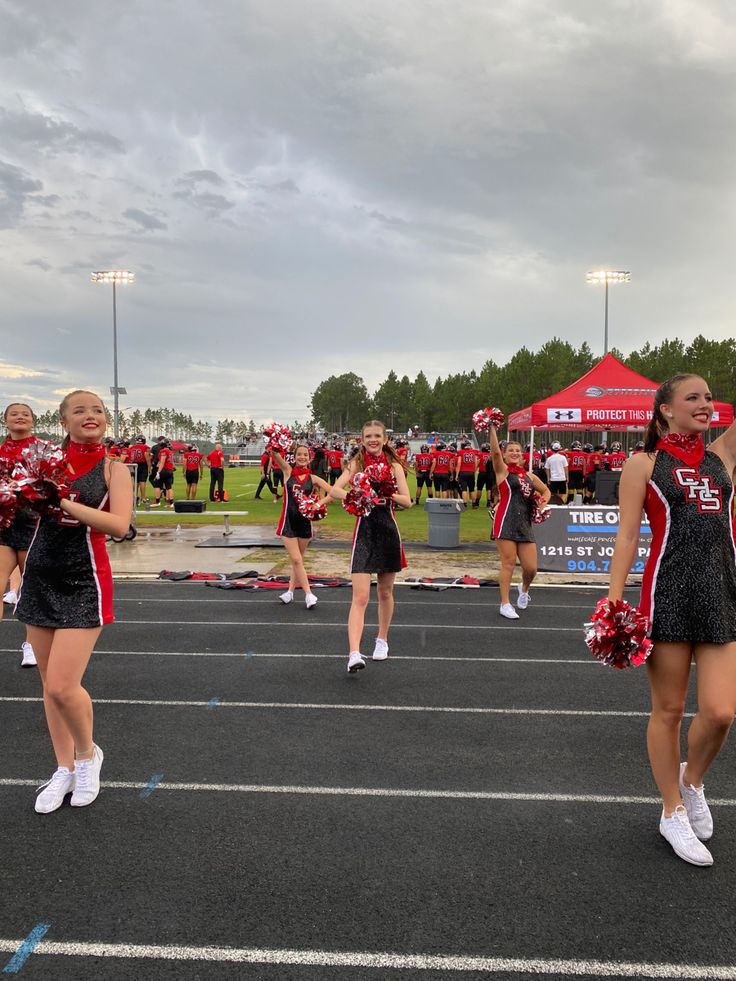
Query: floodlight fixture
point(602, 277)
point(124, 277)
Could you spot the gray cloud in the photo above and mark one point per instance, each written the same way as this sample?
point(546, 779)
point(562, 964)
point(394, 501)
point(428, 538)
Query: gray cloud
point(46, 133)
point(144, 219)
point(41, 263)
point(16, 185)
point(194, 177)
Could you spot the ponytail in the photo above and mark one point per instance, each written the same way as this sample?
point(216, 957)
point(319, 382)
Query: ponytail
point(658, 426)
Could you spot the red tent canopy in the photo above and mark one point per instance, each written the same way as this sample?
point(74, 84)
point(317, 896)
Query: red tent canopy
point(609, 396)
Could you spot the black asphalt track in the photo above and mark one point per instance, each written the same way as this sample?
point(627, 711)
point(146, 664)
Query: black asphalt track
point(305, 870)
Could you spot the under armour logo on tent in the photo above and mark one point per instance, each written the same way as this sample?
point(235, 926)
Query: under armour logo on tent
point(563, 415)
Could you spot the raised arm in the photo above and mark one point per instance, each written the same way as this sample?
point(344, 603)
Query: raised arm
point(282, 464)
point(499, 467)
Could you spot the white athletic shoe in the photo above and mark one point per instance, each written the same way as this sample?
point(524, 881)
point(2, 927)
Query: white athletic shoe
point(10, 597)
point(87, 779)
point(310, 600)
point(698, 812)
point(286, 597)
point(524, 599)
point(355, 662)
point(51, 794)
point(29, 658)
point(508, 611)
point(380, 651)
point(678, 832)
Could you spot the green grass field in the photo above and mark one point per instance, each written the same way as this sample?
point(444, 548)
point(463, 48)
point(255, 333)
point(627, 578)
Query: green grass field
point(241, 483)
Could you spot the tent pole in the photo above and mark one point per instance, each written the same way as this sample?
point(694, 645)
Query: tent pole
point(531, 448)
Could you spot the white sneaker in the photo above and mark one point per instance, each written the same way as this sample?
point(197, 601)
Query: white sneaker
point(678, 832)
point(87, 779)
point(286, 597)
point(508, 611)
point(310, 600)
point(523, 600)
point(380, 651)
point(698, 812)
point(51, 794)
point(29, 658)
point(10, 597)
point(355, 662)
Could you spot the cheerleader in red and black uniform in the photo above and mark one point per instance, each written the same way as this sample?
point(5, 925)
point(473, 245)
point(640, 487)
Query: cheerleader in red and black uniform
point(66, 596)
point(376, 544)
point(512, 526)
point(15, 539)
point(689, 595)
point(294, 529)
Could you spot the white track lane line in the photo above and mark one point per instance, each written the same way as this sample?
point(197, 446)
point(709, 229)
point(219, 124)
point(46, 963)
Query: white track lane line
point(401, 792)
point(337, 707)
point(383, 960)
point(341, 657)
point(252, 599)
point(302, 624)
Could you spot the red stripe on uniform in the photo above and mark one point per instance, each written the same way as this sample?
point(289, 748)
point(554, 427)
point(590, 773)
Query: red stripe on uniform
point(282, 519)
point(503, 506)
point(658, 513)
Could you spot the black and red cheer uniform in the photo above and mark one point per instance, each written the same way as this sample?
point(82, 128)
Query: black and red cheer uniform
point(19, 533)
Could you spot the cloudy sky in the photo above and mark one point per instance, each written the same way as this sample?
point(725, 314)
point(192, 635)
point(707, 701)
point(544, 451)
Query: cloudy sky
point(306, 187)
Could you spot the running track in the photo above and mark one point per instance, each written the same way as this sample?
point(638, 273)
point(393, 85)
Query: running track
point(478, 806)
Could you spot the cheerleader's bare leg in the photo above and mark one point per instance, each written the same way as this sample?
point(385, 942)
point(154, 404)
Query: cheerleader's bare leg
point(507, 551)
point(668, 672)
point(63, 656)
point(385, 603)
point(356, 617)
point(295, 548)
point(9, 559)
point(716, 680)
point(527, 552)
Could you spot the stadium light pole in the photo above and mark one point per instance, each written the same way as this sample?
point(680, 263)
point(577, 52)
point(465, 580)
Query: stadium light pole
point(606, 276)
point(115, 276)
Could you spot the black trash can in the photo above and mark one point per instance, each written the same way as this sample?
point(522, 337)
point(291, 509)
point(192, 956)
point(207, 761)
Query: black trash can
point(444, 522)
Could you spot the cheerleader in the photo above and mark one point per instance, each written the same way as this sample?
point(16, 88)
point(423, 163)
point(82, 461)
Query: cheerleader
point(15, 539)
point(376, 544)
point(512, 526)
point(66, 596)
point(294, 529)
point(689, 594)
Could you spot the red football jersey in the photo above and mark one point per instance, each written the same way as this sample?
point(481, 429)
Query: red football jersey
point(192, 460)
point(137, 453)
point(403, 453)
point(595, 462)
point(536, 460)
point(423, 461)
point(485, 456)
point(166, 458)
point(334, 459)
point(442, 460)
point(466, 460)
point(616, 460)
point(576, 459)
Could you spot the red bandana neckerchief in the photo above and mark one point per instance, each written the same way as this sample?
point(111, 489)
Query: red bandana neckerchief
point(300, 471)
point(687, 447)
point(83, 457)
point(375, 458)
point(515, 468)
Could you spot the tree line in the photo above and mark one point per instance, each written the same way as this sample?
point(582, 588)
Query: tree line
point(161, 422)
point(342, 403)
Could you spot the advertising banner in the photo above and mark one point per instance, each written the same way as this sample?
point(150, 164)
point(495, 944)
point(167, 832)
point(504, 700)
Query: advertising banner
point(581, 539)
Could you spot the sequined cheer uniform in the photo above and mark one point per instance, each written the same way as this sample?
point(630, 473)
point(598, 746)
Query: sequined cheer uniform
point(292, 523)
point(512, 520)
point(689, 583)
point(19, 533)
point(376, 538)
point(67, 580)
